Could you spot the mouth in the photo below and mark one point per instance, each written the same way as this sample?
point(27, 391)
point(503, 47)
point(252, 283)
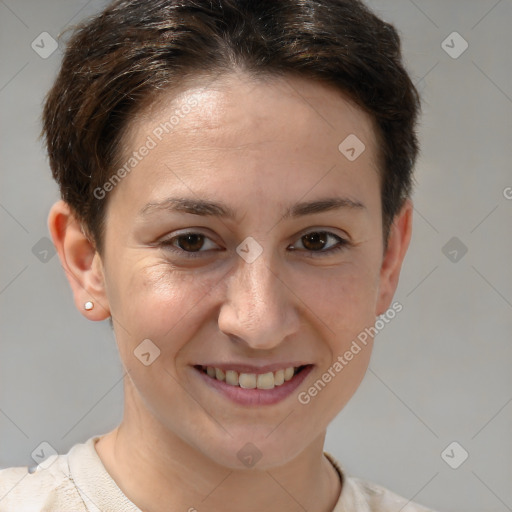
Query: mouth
point(248, 380)
point(253, 389)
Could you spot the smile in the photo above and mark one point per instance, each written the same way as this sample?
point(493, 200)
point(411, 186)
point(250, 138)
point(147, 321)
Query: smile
point(252, 380)
point(253, 389)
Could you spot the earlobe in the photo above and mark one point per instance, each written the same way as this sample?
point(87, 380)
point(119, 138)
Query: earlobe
point(80, 261)
point(399, 238)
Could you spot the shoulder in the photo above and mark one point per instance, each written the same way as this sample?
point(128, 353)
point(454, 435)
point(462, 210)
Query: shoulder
point(380, 499)
point(359, 495)
point(48, 487)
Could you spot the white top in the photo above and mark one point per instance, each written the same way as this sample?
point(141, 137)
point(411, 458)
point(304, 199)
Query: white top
point(78, 482)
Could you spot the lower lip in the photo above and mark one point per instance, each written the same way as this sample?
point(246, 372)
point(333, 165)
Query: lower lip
point(254, 397)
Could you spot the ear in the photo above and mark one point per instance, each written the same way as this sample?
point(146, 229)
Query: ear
point(399, 238)
point(80, 261)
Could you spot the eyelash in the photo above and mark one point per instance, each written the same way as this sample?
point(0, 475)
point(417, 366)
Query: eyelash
point(342, 244)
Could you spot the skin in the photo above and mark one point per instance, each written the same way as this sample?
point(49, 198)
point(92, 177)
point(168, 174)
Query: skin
point(258, 147)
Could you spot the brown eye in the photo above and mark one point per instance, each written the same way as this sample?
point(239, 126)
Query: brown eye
point(316, 243)
point(191, 242)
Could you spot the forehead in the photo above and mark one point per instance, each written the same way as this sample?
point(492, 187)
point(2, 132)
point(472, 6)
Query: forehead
point(241, 141)
point(238, 110)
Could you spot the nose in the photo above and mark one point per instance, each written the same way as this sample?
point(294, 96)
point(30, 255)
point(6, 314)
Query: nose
point(259, 309)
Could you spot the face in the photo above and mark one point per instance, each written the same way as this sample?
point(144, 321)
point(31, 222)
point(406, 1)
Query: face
point(241, 274)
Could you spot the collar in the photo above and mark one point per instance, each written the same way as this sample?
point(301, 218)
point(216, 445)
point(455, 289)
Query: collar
point(99, 491)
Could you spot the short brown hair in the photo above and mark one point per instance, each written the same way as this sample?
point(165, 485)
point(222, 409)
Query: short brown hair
point(117, 62)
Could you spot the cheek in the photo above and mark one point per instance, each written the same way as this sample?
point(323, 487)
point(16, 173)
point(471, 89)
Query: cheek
point(345, 304)
point(151, 300)
point(343, 298)
point(336, 383)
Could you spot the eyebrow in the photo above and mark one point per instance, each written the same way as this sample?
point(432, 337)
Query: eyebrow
point(217, 209)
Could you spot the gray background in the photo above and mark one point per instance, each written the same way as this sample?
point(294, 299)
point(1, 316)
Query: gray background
point(440, 371)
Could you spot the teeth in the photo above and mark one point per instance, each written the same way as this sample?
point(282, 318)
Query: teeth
point(279, 377)
point(251, 380)
point(247, 380)
point(265, 381)
point(288, 373)
point(232, 378)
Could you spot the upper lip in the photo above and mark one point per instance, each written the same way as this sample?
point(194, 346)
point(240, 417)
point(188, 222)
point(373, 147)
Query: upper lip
point(248, 368)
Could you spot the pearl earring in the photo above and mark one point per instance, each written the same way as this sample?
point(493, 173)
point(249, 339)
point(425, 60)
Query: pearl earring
point(88, 305)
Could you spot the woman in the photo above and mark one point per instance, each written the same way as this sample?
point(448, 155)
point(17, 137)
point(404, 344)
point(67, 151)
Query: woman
point(235, 180)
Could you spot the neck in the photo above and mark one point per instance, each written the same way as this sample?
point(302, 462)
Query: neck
point(157, 470)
